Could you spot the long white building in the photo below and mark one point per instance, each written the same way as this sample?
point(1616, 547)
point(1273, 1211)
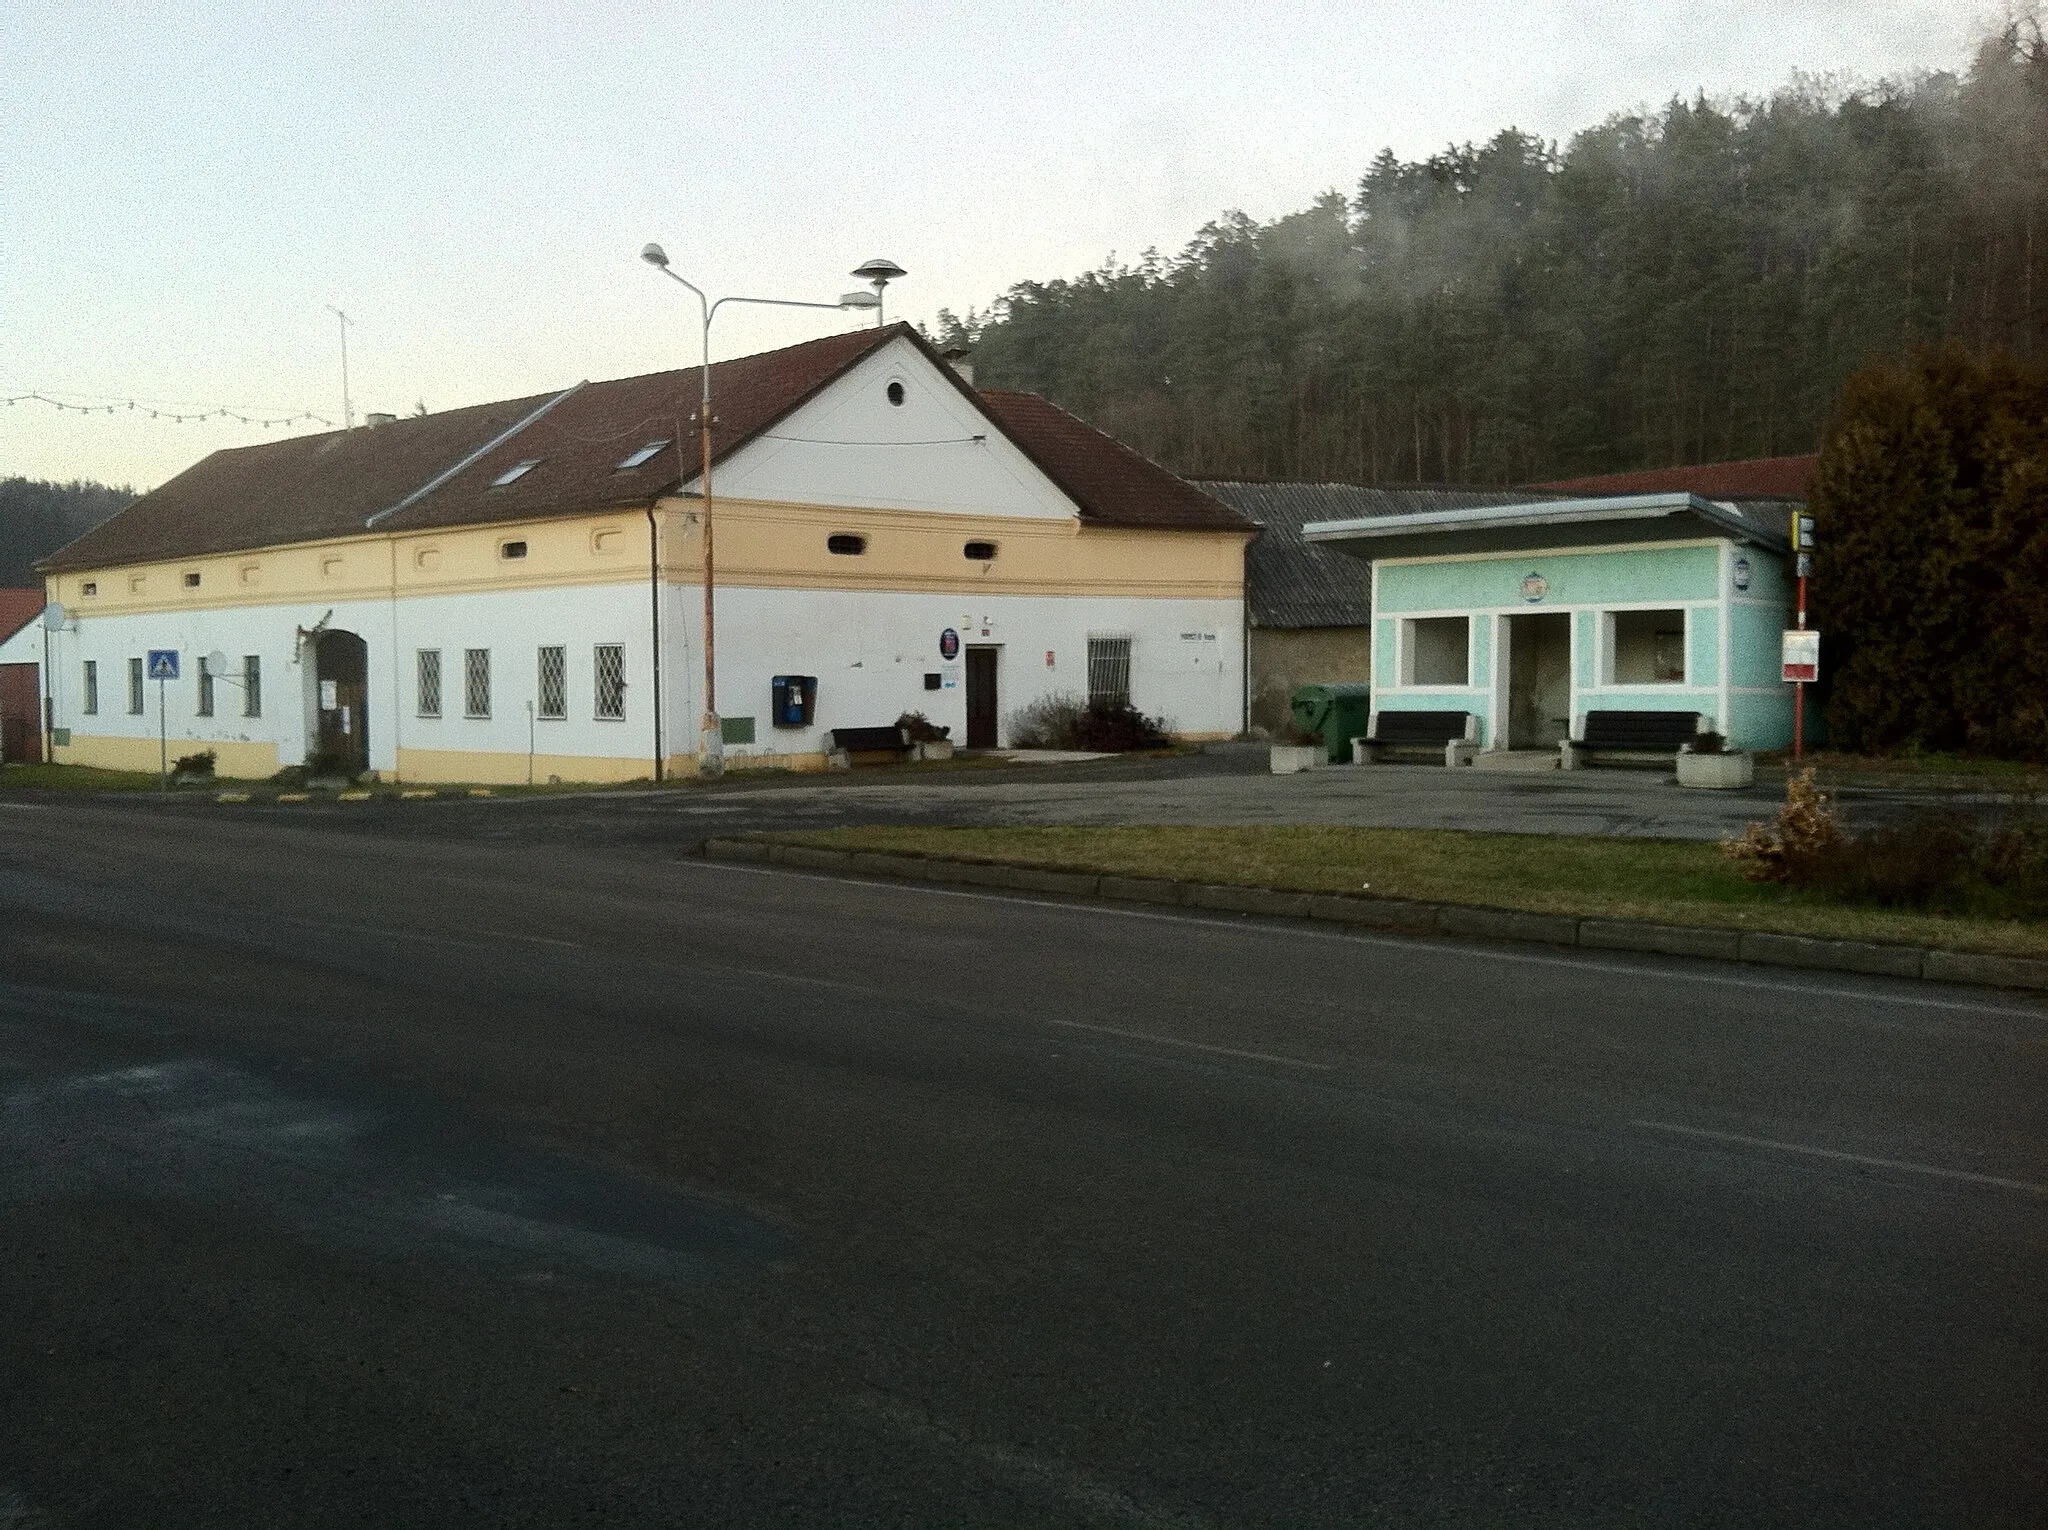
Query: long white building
point(514, 591)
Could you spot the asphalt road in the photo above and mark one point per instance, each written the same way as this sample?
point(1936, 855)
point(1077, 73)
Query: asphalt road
point(386, 1178)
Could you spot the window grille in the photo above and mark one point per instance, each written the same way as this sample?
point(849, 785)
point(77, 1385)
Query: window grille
point(92, 688)
point(554, 682)
point(611, 680)
point(476, 682)
point(1109, 669)
point(428, 666)
point(134, 687)
point(252, 685)
point(205, 676)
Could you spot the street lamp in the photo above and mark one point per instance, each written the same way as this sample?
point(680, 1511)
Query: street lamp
point(711, 739)
point(877, 273)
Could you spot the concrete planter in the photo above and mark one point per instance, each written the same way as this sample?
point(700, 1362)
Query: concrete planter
point(1287, 759)
point(936, 749)
point(1726, 771)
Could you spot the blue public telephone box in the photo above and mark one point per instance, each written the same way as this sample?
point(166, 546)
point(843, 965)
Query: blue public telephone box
point(793, 698)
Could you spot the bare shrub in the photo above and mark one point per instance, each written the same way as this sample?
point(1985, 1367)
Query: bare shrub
point(1804, 831)
point(1065, 721)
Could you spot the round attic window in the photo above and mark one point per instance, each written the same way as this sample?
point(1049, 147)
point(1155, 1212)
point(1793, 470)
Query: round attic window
point(895, 392)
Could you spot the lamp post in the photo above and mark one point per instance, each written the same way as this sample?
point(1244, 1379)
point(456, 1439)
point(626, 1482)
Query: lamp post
point(711, 738)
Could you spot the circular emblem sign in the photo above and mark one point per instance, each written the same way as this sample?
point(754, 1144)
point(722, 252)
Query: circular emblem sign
point(1534, 588)
point(949, 644)
point(1742, 573)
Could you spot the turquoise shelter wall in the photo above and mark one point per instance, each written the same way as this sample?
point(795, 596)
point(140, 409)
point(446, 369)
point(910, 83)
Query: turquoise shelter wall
point(1702, 648)
point(1482, 650)
point(1761, 720)
point(1585, 648)
point(1754, 644)
point(1599, 577)
point(1383, 674)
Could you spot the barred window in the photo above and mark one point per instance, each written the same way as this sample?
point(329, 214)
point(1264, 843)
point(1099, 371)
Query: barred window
point(92, 688)
point(476, 682)
point(554, 682)
point(134, 687)
point(427, 671)
point(611, 680)
point(1109, 669)
point(204, 674)
point(252, 685)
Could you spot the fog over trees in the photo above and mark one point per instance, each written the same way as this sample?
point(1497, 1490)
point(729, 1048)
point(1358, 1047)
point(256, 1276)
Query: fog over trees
point(1693, 284)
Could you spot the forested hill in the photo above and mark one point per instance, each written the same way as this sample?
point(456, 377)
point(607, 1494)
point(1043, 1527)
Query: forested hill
point(1684, 286)
point(37, 518)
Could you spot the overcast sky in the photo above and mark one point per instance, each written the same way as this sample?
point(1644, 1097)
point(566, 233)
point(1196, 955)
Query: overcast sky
point(185, 188)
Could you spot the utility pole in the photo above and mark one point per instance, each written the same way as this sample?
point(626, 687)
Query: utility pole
point(348, 418)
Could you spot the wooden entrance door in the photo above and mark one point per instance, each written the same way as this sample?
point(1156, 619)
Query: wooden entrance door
point(981, 697)
point(344, 677)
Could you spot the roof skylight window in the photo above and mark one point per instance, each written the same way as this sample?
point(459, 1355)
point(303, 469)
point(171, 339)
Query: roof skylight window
point(514, 473)
point(644, 455)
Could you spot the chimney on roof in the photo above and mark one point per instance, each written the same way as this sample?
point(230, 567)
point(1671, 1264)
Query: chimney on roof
point(372, 421)
point(960, 359)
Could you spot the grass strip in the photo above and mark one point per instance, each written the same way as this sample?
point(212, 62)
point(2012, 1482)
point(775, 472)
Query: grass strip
point(1665, 881)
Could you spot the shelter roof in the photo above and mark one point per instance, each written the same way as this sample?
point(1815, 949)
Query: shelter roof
point(449, 469)
point(1290, 582)
point(1575, 522)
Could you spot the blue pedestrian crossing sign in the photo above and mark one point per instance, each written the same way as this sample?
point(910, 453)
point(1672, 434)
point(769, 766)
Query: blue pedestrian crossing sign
point(163, 664)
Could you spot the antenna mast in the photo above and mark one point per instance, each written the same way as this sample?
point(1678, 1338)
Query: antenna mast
point(348, 417)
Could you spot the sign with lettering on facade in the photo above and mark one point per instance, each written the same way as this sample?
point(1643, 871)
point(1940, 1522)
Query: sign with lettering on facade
point(1801, 655)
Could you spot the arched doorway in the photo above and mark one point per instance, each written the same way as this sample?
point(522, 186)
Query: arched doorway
point(342, 671)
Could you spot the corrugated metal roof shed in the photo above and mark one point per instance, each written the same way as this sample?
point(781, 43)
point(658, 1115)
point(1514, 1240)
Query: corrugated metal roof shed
point(1291, 584)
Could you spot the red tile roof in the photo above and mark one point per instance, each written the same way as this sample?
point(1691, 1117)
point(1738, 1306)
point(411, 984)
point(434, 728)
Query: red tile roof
point(310, 488)
point(1113, 485)
point(17, 609)
point(1758, 478)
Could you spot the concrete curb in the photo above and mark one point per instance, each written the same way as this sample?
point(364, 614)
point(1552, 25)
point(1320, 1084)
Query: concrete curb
point(1402, 917)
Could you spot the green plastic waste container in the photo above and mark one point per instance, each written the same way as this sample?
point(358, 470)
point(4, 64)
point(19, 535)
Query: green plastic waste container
point(1338, 710)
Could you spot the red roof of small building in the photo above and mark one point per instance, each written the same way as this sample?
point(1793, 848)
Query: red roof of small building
point(1758, 478)
point(17, 609)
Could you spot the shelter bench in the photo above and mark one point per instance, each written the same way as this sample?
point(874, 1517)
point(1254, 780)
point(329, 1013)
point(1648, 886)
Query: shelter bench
point(1638, 735)
point(891, 741)
point(1450, 733)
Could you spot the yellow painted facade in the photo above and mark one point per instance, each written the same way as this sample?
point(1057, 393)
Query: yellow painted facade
point(237, 759)
point(760, 545)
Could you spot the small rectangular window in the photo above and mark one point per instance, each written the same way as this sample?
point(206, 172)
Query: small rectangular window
point(512, 549)
point(554, 682)
point(1109, 669)
point(1649, 647)
point(134, 687)
point(91, 703)
point(252, 685)
point(92, 587)
point(645, 455)
point(610, 666)
point(204, 674)
point(192, 580)
point(514, 473)
point(1438, 651)
point(476, 682)
point(428, 667)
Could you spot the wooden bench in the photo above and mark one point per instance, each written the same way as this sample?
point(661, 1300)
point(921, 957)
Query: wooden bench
point(1447, 733)
point(1637, 735)
point(891, 741)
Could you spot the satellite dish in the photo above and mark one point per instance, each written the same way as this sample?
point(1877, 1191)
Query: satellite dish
point(216, 663)
point(54, 617)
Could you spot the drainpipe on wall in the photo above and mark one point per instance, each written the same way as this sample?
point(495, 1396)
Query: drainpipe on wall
point(654, 623)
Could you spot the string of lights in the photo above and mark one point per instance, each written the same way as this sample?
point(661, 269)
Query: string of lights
point(81, 403)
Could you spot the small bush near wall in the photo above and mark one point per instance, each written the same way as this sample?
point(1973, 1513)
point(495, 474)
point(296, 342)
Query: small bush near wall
point(195, 766)
point(1063, 721)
